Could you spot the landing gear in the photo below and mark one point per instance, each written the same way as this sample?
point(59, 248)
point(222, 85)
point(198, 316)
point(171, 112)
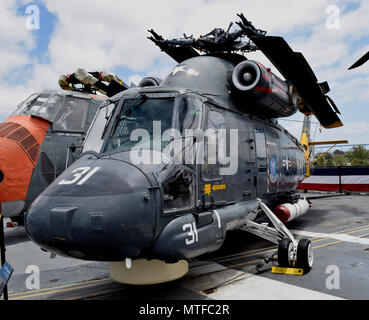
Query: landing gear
point(300, 257)
point(285, 250)
point(291, 253)
point(305, 255)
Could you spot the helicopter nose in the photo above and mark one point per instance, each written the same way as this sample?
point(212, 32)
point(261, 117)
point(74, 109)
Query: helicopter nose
point(20, 141)
point(101, 210)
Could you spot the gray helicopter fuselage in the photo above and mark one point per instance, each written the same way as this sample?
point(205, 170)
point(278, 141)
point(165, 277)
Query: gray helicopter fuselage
point(108, 206)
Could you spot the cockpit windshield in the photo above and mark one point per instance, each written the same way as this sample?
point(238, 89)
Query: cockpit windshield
point(24, 105)
point(143, 122)
point(44, 106)
point(67, 113)
point(143, 117)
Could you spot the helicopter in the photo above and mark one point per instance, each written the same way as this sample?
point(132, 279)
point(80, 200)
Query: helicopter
point(43, 136)
point(178, 165)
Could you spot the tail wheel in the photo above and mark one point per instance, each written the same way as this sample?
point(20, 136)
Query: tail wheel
point(305, 255)
point(285, 247)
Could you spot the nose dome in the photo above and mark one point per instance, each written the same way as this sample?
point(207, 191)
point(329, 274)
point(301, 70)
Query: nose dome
point(96, 210)
point(20, 141)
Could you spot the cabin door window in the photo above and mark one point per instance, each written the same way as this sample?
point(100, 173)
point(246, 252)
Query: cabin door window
point(261, 162)
point(211, 166)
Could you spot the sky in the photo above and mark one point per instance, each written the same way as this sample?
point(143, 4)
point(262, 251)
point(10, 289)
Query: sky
point(43, 39)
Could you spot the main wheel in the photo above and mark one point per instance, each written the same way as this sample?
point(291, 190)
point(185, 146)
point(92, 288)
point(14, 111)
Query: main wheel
point(305, 255)
point(284, 248)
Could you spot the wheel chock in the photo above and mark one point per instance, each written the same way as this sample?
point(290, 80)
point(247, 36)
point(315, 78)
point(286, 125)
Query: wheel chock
point(282, 270)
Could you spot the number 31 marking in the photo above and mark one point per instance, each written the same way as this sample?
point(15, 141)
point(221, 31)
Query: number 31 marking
point(193, 234)
point(79, 173)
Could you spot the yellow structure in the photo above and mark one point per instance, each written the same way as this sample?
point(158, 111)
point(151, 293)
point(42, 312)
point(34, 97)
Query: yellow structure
point(306, 144)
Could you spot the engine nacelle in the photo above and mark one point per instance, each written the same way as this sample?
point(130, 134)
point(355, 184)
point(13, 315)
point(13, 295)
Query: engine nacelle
point(262, 91)
point(149, 82)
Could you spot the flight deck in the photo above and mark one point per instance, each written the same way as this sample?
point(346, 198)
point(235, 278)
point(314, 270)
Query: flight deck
point(337, 225)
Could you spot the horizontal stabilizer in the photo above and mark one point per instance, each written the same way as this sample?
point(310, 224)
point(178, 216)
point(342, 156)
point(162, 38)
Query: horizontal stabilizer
point(321, 143)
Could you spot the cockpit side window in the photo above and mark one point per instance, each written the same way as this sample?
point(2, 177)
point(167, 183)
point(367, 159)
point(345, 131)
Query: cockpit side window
point(188, 114)
point(94, 139)
point(73, 115)
point(211, 167)
point(179, 190)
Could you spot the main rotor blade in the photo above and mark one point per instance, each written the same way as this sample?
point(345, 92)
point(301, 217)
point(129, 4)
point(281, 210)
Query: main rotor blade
point(360, 62)
point(178, 53)
point(294, 67)
point(306, 64)
point(330, 100)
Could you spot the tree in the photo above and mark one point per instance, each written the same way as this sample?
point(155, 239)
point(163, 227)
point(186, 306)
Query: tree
point(357, 156)
point(340, 160)
point(338, 152)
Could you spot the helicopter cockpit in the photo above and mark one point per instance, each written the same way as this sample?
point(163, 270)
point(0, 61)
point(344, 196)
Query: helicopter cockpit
point(66, 112)
point(157, 131)
point(156, 120)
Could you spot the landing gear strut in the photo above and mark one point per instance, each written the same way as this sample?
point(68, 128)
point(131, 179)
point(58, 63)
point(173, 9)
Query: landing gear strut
point(291, 253)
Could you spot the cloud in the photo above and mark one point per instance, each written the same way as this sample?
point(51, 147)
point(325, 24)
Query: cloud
point(16, 42)
point(356, 127)
point(15, 38)
point(355, 132)
point(118, 36)
point(11, 96)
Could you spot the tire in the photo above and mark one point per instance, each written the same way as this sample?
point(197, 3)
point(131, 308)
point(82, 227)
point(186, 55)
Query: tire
point(283, 253)
point(305, 257)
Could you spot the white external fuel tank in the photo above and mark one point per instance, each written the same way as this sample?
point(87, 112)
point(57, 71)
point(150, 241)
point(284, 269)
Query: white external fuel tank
point(288, 211)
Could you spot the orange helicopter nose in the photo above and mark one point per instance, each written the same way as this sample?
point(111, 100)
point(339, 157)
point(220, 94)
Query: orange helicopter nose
point(20, 141)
